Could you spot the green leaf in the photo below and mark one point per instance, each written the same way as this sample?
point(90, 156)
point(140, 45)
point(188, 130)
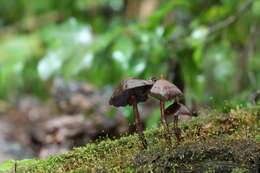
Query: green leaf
point(256, 8)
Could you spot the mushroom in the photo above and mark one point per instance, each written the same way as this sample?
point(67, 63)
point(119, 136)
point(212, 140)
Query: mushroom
point(131, 92)
point(164, 91)
point(177, 109)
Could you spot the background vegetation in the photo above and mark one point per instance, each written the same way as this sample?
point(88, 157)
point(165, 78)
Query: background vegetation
point(208, 48)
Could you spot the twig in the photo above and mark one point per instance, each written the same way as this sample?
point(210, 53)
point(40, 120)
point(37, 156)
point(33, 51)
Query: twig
point(15, 166)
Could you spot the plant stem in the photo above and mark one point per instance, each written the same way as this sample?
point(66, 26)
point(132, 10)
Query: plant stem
point(163, 117)
point(164, 122)
point(176, 128)
point(138, 122)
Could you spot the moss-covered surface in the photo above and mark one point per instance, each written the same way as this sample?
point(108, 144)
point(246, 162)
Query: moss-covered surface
point(215, 142)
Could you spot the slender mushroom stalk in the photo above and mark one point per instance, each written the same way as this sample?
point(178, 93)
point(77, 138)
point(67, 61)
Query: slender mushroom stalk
point(138, 122)
point(163, 117)
point(177, 130)
point(164, 122)
point(130, 92)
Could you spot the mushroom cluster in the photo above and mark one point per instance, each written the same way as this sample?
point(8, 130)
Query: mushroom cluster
point(132, 91)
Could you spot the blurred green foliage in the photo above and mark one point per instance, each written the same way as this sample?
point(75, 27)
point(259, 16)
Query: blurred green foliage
point(214, 42)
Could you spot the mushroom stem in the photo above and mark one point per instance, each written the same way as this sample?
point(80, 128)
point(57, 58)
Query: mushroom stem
point(163, 117)
point(164, 121)
point(138, 122)
point(177, 131)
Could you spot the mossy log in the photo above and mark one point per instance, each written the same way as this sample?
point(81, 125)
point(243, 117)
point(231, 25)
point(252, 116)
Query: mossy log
point(212, 142)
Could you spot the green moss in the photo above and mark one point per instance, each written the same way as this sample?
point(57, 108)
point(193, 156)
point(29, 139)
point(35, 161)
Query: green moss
point(213, 141)
point(7, 166)
point(240, 170)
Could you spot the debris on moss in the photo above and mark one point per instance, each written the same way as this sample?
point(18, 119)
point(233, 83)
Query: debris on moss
point(214, 142)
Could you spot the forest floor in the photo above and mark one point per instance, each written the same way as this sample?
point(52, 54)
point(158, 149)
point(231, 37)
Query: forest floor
point(214, 142)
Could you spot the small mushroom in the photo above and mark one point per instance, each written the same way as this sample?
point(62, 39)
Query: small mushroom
point(165, 91)
point(131, 92)
point(177, 109)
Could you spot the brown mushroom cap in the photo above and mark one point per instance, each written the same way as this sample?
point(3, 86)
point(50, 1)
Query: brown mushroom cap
point(177, 107)
point(165, 90)
point(130, 87)
point(184, 110)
